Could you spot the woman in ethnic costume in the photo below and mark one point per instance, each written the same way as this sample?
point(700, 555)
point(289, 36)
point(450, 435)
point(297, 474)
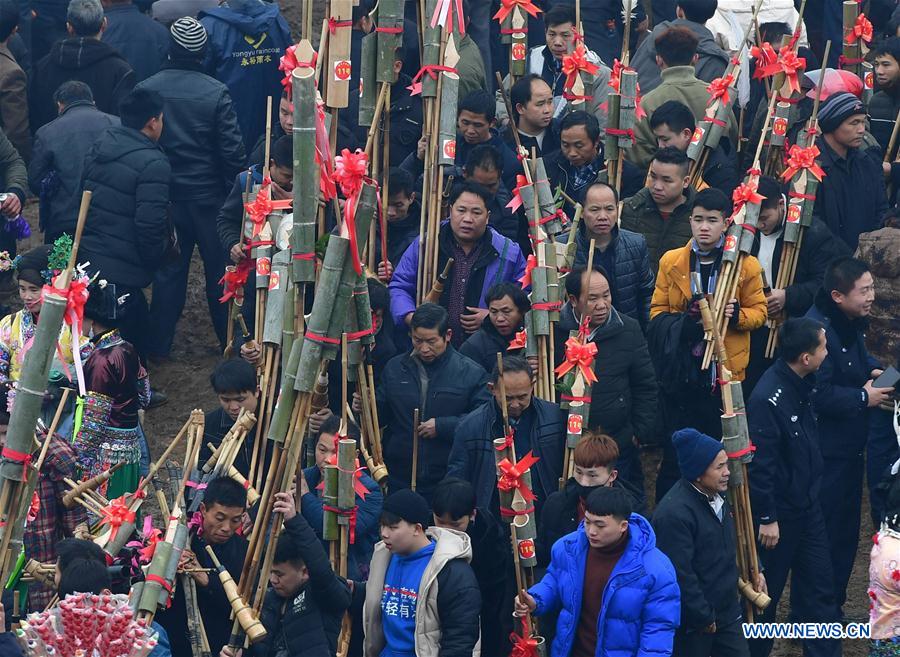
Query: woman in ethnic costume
point(117, 387)
point(34, 269)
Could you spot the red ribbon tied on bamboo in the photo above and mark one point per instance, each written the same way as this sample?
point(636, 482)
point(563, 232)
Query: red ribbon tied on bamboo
point(615, 83)
point(234, 279)
point(288, 63)
point(862, 29)
point(516, 201)
point(743, 194)
point(766, 60)
point(506, 7)
point(718, 88)
point(577, 63)
point(443, 15)
point(350, 174)
point(518, 342)
point(263, 205)
point(115, 514)
point(791, 66)
point(523, 645)
point(530, 264)
point(581, 355)
point(511, 476)
point(803, 158)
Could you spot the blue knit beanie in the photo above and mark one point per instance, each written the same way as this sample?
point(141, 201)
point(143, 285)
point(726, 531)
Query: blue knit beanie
point(695, 452)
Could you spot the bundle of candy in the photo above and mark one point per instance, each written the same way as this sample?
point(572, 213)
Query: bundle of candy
point(87, 625)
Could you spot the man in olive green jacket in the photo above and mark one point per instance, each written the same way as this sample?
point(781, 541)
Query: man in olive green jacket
point(676, 54)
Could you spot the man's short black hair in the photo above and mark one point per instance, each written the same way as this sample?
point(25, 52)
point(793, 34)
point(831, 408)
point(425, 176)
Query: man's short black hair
point(226, 492)
point(676, 46)
point(698, 11)
point(580, 117)
point(511, 365)
point(469, 187)
point(677, 116)
point(431, 316)
point(139, 106)
point(671, 155)
point(283, 151)
point(772, 31)
point(520, 93)
point(479, 102)
point(573, 278)
point(72, 91)
point(609, 501)
point(232, 376)
point(83, 576)
point(9, 18)
point(712, 199)
point(771, 189)
point(286, 551)
point(890, 46)
point(600, 183)
point(486, 157)
point(453, 497)
point(401, 182)
point(71, 549)
point(508, 289)
point(558, 15)
point(332, 426)
point(379, 295)
point(842, 274)
point(798, 336)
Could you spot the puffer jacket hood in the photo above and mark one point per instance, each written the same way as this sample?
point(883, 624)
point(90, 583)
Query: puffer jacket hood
point(79, 52)
point(252, 18)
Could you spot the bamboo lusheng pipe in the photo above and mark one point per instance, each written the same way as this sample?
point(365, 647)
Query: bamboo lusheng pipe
point(390, 20)
point(852, 51)
point(447, 126)
point(337, 74)
point(759, 599)
point(415, 449)
point(14, 474)
point(552, 226)
point(194, 624)
point(368, 84)
point(234, 473)
point(234, 436)
point(305, 173)
point(69, 498)
point(152, 589)
point(437, 288)
point(249, 623)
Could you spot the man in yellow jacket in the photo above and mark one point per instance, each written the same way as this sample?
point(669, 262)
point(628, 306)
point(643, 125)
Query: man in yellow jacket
point(696, 400)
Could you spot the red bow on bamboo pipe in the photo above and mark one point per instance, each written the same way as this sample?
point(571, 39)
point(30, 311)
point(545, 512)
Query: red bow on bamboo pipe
point(511, 476)
point(518, 342)
point(791, 66)
point(615, 81)
point(443, 15)
point(115, 514)
point(508, 440)
point(288, 63)
point(506, 6)
point(523, 645)
point(263, 205)
point(76, 297)
point(350, 174)
point(234, 279)
point(151, 536)
point(766, 60)
point(577, 63)
point(862, 29)
point(530, 264)
point(718, 88)
point(516, 201)
point(579, 354)
point(743, 194)
point(803, 158)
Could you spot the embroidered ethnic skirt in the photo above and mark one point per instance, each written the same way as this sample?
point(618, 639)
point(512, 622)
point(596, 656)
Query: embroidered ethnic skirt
point(99, 447)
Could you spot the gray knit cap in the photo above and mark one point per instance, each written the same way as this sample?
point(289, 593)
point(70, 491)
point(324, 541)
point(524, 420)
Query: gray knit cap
point(188, 33)
point(837, 109)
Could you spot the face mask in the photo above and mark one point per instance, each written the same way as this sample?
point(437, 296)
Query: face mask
point(584, 491)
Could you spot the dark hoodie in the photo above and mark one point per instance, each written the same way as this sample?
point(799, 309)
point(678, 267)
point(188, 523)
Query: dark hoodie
point(88, 60)
point(126, 233)
point(246, 42)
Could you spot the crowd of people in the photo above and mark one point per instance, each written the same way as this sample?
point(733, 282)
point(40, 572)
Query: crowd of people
point(159, 111)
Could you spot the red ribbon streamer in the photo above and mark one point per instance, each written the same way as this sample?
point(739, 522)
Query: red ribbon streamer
point(803, 158)
point(349, 513)
point(506, 6)
point(577, 63)
point(288, 63)
point(431, 71)
point(350, 174)
point(615, 81)
point(333, 25)
point(718, 88)
point(581, 355)
point(234, 279)
point(862, 29)
point(518, 342)
point(743, 194)
point(516, 201)
point(443, 15)
point(523, 645)
point(511, 476)
point(530, 264)
point(18, 457)
point(507, 440)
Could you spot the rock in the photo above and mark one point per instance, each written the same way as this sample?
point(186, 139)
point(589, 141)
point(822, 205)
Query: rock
point(881, 251)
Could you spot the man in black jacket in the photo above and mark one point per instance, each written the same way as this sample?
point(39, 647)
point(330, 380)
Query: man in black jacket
point(818, 249)
point(403, 216)
point(221, 513)
point(206, 152)
point(623, 399)
point(438, 381)
point(235, 385)
point(695, 528)
point(845, 401)
point(785, 478)
point(538, 427)
point(126, 234)
point(885, 102)
point(58, 156)
point(454, 507)
point(305, 604)
point(501, 330)
point(81, 56)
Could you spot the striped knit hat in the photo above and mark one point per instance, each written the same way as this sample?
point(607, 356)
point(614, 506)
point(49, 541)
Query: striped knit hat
point(188, 33)
point(837, 109)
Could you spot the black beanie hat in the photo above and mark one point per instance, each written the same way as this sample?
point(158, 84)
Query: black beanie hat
point(31, 265)
point(408, 505)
